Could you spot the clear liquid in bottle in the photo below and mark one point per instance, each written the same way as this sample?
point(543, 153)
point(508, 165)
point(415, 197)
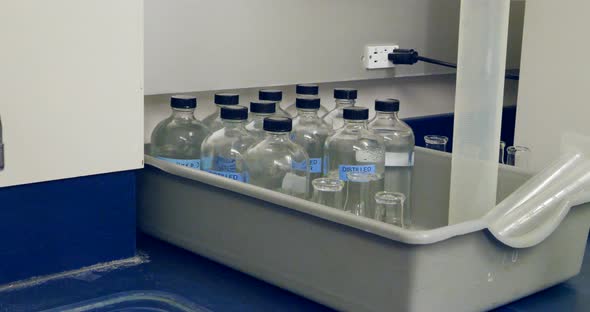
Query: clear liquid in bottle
point(277, 163)
point(306, 91)
point(178, 138)
point(310, 132)
point(258, 111)
point(213, 121)
point(399, 146)
point(223, 151)
point(354, 149)
point(344, 97)
point(276, 96)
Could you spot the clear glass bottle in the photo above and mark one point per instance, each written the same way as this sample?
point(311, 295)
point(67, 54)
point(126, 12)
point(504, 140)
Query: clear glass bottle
point(399, 149)
point(258, 111)
point(273, 96)
point(344, 97)
point(310, 132)
point(277, 163)
point(178, 138)
point(223, 151)
point(213, 121)
point(306, 91)
point(355, 148)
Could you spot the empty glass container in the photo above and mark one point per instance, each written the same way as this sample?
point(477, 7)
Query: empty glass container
point(389, 208)
point(518, 156)
point(328, 192)
point(436, 142)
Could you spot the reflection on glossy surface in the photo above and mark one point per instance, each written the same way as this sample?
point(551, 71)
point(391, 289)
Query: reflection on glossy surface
point(134, 301)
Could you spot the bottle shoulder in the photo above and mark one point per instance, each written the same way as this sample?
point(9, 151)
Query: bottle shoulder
point(270, 147)
point(229, 136)
point(355, 140)
point(173, 127)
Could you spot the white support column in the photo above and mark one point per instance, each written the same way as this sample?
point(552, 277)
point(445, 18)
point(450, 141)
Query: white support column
point(483, 36)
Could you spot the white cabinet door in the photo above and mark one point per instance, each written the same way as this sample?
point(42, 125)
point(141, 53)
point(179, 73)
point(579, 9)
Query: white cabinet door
point(71, 88)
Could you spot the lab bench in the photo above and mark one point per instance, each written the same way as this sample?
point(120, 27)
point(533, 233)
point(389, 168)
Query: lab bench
point(215, 287)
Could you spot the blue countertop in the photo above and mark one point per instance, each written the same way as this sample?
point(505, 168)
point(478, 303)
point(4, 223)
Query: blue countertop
point(219, 288)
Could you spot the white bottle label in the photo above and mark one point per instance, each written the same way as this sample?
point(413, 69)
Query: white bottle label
point(343, 170)
point(191, 163)
point(399, 159)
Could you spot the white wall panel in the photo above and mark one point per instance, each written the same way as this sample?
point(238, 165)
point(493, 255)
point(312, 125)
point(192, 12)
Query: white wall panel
point(71, 96)
point(199, 45)
point(554, 83)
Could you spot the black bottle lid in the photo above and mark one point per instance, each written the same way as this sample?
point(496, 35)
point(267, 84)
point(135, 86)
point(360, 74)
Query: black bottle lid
point(307, 89)
point(277, 124)
point(227, 99)
point(270, 95)
point(263, 107)
point(307, 103)
point(387, 105)
point(183, 101)
point(234, 112)
point(345, 93)
point(356, 113)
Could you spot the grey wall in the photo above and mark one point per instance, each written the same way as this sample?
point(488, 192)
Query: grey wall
point(199, 45)
point(554, 92)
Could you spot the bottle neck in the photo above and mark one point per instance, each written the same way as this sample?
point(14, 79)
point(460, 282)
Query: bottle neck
point(355, 124)
point(277, 136)
point(259, 115)
point(386, 115)
point(341, 103)
point(183, 113)
point(306, 96)
point(233, 124)
point(307, 113)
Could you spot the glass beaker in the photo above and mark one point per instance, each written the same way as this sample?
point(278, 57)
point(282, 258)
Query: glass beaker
point(390, 208)
point(518, 156)
point(328, 192)
point(360, 190)
point(502, 148)
point(436, 142)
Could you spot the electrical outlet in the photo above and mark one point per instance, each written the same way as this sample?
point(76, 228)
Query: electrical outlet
point(376, 56)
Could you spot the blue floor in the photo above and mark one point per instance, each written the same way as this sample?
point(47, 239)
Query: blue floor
point(219, 288)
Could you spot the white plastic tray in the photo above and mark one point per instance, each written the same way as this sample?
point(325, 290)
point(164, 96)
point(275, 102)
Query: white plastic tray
point(353, 263)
